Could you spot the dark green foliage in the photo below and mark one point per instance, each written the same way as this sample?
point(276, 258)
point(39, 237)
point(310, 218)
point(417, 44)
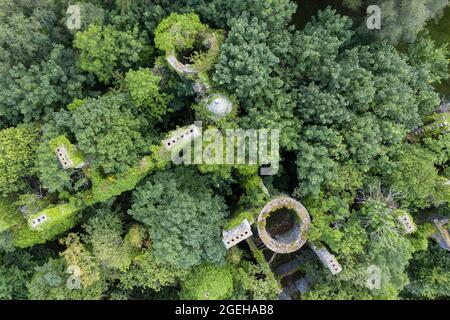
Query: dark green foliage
point(183, 215)
point(28, 31)
point(355, 100)
point(363, 140)
point(28, 93)
point(429, 274)
point(16, 270)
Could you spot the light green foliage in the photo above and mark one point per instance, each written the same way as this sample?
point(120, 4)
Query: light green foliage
point(440, 146)
point(105, 50)
point(178, 32)
point(415, 176)
point(107, 131)
point(103, 233)
point(348, 240)
point(146, 273)
point(105, 188)
point(17, 152)
point(269, 285)
point(146, 94)
point(9, 214)
point(76, 156)
point(375, 234)
point(183, 215)
point(76, 254)
point(248, 280)
point(238, 218)
point(381, 223)
point(65, 215)
point(32, 203)
point(50, 283)
point(204, 61)
point(208, 282)
point(75, 104)
point(254, 197)
point(60, 219)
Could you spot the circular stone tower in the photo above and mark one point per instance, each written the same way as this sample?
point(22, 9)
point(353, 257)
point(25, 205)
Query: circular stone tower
point(283, 224)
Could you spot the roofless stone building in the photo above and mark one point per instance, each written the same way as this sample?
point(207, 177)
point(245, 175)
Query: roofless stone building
point(283, 224)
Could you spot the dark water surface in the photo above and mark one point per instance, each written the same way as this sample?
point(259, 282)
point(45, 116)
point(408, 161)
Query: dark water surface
point(308, 8)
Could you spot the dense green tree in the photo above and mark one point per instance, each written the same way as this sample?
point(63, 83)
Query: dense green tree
point(355, 101)
point(107, 131)
point(249, 64)
point(275, 14)
point(208, 282)
point(49, 171)
point(370, 238)
point(28, 93)
point(16, 270)
point(105, 50)
point(429, 274)
point(146, 94)
point(183, 215)
point(103, 233)
point(17, 152)
point(250, 284)
point(178, 32)
point(349, 103)
point(416, 178)
point(28, 31)
point(423, 53)
point(246, 61)
point(147, 273)
point(49, 282)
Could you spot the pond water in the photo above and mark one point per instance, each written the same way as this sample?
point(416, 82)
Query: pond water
point(308, 8)
point(440, 32)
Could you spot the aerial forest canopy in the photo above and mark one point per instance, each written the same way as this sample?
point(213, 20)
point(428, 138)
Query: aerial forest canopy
point(99, 98)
